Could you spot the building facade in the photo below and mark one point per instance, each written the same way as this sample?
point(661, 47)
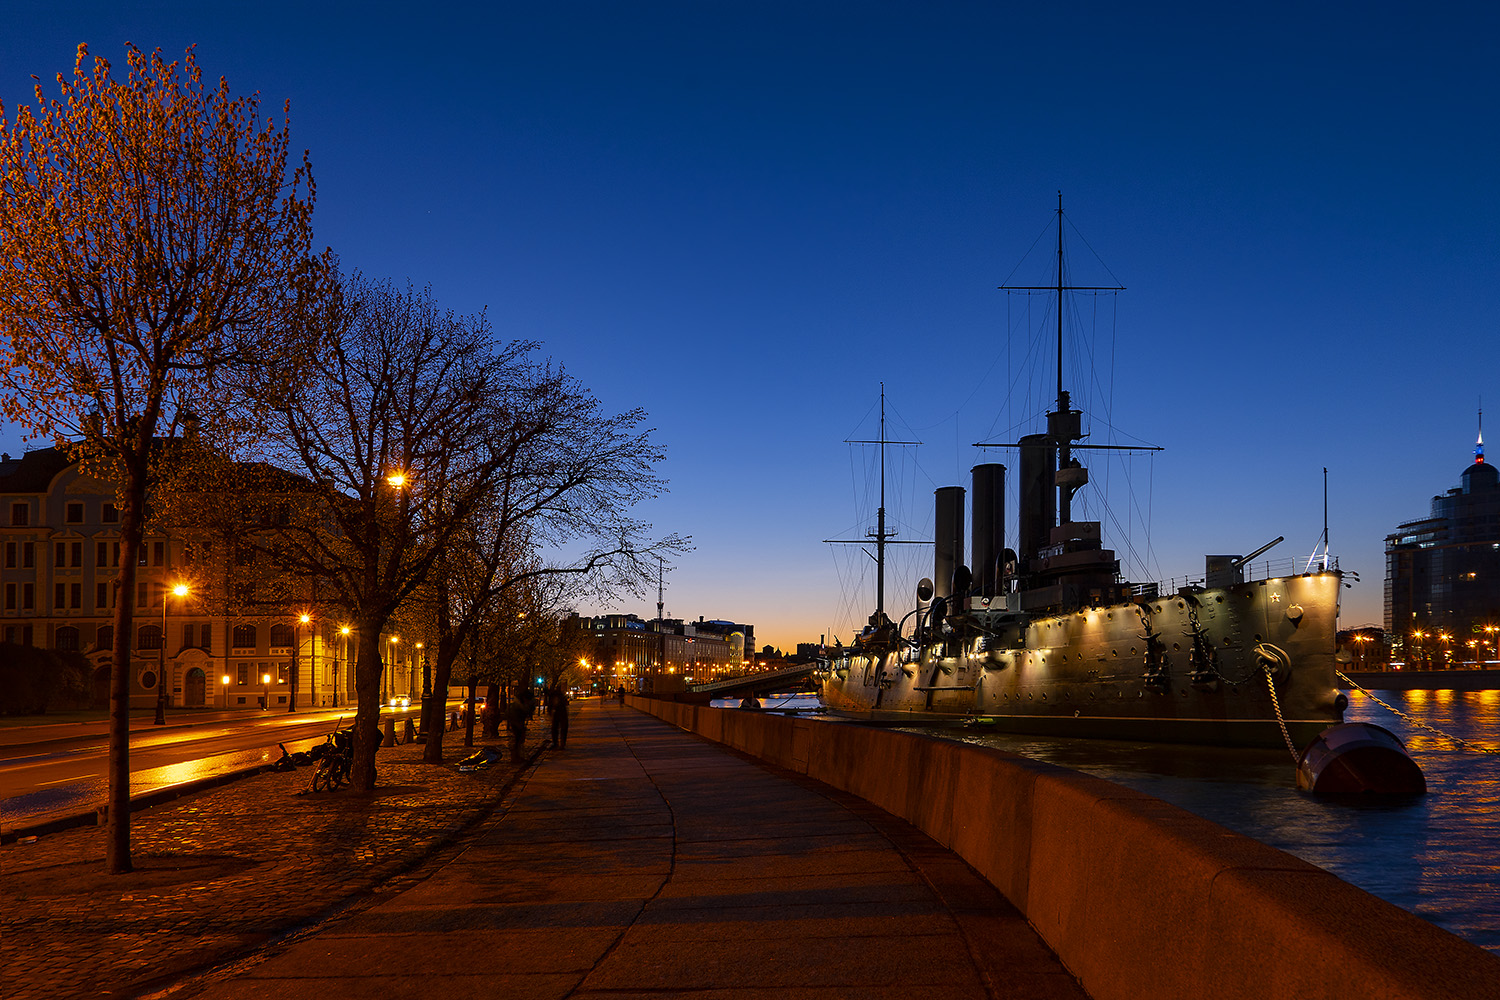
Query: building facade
point(1442, 579)
point(659, 656)
point(235, 638)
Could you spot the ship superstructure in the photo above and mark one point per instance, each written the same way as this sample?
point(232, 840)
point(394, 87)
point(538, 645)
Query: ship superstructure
point(1046, 637)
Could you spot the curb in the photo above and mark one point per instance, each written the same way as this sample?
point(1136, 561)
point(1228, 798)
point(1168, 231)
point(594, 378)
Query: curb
point(137, 802)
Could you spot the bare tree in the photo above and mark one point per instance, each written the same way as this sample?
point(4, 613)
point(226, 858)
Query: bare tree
point(571, 477)
point(151, 236)
point(393, 428)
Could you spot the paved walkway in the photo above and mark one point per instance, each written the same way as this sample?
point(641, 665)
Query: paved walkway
point(223, 872)
point(642, 860)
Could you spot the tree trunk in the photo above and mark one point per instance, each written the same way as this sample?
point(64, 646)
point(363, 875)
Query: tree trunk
point(367, 670)
point(492, 711)
point(117, 850)
point(432, 753)
point(469, 715)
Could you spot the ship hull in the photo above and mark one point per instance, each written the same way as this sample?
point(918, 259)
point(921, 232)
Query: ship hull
point(1185, 668)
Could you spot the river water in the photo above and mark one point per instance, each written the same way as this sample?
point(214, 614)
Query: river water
point(1437, 855)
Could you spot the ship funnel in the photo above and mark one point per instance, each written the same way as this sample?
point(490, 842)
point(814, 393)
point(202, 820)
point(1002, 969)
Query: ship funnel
point(948, 538)
point(989, 527)
point(1038, 497)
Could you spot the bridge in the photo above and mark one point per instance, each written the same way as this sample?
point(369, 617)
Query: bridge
point(765, 681)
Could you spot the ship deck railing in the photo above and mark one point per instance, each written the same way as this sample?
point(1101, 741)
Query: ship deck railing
point(1260, 569)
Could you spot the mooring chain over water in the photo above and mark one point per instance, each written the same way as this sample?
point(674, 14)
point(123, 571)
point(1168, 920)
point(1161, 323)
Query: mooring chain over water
point(1411, 721)
point(1276, 704)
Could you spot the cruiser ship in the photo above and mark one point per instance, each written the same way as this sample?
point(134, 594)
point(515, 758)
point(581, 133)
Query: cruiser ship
point(1047, 638)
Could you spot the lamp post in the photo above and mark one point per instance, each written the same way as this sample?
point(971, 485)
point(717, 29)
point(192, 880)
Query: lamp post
point(161, 657)
point(344, 642)
point(1491, 630)
point(265, 698)
point(224, 690)
point(291, 700)
point(387, 682)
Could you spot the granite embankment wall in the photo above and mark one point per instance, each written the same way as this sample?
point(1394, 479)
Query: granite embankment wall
point(1137, 897)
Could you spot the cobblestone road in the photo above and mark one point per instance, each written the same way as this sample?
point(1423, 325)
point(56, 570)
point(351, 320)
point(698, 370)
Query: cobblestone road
point(221, 872)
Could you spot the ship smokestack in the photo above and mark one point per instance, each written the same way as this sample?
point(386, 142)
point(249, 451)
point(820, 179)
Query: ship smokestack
point(948, 538)
point(1038, 497)
point(989, 527)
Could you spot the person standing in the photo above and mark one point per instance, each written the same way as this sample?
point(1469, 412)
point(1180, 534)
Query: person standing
point(515, 721)
point(557, 705)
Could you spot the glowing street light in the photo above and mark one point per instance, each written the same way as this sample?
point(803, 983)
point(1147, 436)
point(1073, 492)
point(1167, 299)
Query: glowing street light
point(181, 590)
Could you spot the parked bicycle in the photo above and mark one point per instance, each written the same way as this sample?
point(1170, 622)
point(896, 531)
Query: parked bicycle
point(335, 760)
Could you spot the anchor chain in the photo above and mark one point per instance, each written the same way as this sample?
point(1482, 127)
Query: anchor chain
point(1280, 721)
point(1413, 722)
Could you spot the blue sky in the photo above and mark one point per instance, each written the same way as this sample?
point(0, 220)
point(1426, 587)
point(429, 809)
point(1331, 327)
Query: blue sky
point(744, 217)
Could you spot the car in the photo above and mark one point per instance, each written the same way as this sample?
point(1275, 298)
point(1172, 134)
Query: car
point(401, 701)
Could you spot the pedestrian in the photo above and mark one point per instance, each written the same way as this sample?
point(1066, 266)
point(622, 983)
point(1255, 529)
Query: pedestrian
point(558, 706)
point(622, 694)
point(516, 715)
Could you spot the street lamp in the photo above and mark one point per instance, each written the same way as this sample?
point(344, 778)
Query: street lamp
point(224, 687)
point(344, 633)
point(387, 681)
point(161, 657)
point(291, 701)
point(265, 698)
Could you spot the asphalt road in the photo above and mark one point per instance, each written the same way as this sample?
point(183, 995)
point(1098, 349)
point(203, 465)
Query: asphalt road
point(63, 772)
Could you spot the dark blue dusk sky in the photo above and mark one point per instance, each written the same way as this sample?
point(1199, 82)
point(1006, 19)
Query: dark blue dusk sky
point(744, 217)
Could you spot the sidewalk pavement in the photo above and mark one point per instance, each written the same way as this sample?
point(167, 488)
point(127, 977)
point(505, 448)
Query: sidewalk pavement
point(223, 872)
point(642, 860)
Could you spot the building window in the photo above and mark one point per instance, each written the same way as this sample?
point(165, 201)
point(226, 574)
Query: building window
point(101, 554)
point(244, 672)
point(149, 637)
point(75, 596)
point(281, 673)
point(75, 554)
point(28, 596)
point(59, 596)
point(25, 635)
point(111, 514)
point(10, 634)
point(281, 634)
point(140, 595)
point(101, 596)
point(158, 553)
point(10, 597)
point(28, 554)
point(105, 637)
point(20, 515)
point(205, 634)
point(115, 558)
point(62, 555)
point(244, 637)
point(10, 555)
point(187, 636)
point(74, 513)
point(67, 639)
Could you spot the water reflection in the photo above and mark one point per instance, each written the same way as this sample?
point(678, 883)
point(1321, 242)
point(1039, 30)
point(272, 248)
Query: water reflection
point(1433, 855)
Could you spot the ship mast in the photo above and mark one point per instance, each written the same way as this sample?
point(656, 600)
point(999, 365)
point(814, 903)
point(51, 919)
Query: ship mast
point(879, 534)
point(1064, 442)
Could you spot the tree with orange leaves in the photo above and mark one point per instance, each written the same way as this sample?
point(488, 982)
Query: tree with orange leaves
point(152, 240)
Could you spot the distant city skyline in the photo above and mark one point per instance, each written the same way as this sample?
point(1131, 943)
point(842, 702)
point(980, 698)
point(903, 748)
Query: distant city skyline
point(745, 217)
